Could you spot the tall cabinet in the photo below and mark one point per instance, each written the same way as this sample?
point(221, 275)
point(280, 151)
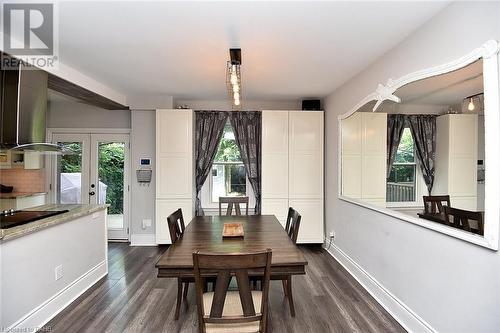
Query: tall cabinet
point(364, 157)
point(456, 159)
point(174, 168)
point(292, 169)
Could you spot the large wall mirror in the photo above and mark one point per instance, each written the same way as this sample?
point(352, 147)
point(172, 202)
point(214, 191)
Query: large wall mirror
point(424, 148)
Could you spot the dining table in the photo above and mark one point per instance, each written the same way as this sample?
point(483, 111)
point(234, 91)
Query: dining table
point(205, 234)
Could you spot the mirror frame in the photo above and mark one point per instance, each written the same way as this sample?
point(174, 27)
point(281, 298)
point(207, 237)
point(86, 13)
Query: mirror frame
point(488, 52)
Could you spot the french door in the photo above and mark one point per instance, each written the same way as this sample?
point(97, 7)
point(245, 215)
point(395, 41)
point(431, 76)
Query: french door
point(95, 172)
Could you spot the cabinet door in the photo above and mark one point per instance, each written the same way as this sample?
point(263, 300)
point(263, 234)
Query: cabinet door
point(275, 154)
point(351, 155)
point(305, 154)
point(463, 156)
point(374, 161)
point(311, 223)
point(165, 207)
point(174, 150)
point(351, 134)
point(276, 207)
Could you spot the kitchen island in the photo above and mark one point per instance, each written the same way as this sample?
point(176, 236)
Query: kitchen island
point(46, 264)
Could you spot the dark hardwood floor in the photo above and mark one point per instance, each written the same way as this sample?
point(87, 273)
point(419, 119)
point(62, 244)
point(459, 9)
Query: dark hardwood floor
point(132, 299)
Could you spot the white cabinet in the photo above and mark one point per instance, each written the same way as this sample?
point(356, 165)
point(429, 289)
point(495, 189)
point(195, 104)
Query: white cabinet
point(26, 160)
point(456, 159)
point(23, 202)
point(292, 169)
point(364, 157)
point(174, 168)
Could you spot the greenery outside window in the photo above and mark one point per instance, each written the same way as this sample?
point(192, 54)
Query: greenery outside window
point(228, 177)
point(402, 184)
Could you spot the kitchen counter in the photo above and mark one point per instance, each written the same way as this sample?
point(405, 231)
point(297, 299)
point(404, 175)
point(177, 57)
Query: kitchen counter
point(15, 195)
point(75, 211)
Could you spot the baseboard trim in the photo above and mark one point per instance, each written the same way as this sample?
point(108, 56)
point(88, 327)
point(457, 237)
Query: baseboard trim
point(42, 314)
point(142, 240)
point(405, 316)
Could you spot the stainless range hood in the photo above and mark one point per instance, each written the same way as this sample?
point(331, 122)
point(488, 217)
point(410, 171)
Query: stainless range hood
point(23, 102)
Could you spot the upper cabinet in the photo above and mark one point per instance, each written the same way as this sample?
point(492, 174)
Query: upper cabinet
point(275, 154)
point(306, 154)
point(174, 149)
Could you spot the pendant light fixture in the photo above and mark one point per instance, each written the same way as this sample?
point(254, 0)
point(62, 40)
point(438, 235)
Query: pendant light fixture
point(473, 100)
point(471, 106)
point(233, 78)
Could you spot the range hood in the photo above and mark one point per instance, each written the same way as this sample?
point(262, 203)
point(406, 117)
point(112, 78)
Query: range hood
point(23, 103)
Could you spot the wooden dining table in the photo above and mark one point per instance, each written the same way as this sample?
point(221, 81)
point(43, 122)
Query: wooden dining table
point(204, 234)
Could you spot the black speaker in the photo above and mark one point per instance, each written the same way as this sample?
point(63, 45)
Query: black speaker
point(311, 104)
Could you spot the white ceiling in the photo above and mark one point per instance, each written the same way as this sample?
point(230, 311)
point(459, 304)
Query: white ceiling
point(447, 89)
point(290, 50)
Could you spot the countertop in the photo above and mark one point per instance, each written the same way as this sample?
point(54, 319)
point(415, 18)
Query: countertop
point(15, 195)
point(75, 211)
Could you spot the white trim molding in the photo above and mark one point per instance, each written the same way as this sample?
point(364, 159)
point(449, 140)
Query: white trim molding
point(42, 314)
point(405, 316)
point(488, 52)
point(143, 240)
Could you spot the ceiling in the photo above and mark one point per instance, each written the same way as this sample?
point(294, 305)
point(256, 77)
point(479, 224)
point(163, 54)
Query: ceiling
point(446, 89)
point(290, 50)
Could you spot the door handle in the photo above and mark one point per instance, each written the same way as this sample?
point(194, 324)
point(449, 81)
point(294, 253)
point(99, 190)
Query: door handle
point(92, 193)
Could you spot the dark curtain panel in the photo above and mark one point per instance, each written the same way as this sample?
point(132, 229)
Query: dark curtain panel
point(395, 127)
point(423, 130)
point(209, 126)
point(247, 126)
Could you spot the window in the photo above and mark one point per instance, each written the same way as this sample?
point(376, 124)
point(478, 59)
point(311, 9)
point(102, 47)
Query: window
point(401, 184)
point(228, 172)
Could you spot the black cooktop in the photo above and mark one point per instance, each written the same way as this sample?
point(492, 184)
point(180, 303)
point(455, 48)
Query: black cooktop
point(10, 220)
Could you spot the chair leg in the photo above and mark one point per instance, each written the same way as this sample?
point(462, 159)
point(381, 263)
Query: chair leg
point(186, 287)
point(285, 291)
point(179, 299)
point(289, 295)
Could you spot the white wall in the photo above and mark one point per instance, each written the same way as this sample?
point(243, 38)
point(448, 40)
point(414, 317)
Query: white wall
point(453, 285)
point(71, 114)
point(143, 196)
point(250, 105)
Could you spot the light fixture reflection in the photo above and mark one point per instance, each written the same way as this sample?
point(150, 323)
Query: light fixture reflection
point(471, 105)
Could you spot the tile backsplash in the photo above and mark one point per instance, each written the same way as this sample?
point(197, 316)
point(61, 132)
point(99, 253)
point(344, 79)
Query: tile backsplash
point(24, 180)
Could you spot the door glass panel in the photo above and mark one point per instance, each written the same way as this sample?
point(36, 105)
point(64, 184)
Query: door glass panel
point(69, 174)
point(111, 164)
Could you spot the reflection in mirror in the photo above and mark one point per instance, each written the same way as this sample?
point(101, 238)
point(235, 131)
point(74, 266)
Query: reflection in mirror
point(425, 156)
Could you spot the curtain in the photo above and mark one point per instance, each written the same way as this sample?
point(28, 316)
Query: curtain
point(247, 126)
point(423, 130)
point(209, 126)
point(395, 127)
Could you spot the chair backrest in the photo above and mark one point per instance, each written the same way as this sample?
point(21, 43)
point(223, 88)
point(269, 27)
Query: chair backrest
point(233, 202)
point(226, 266)
point(176, 225)
point(462, 219)
point(293, 224)
point(433, 204)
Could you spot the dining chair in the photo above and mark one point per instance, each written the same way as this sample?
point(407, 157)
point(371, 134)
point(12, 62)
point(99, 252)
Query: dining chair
point(462, 219)
point(176, 228)
point(433, 204)
point(292, 230)
point(233, 202)
point(223, 310)
point(292, 224)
